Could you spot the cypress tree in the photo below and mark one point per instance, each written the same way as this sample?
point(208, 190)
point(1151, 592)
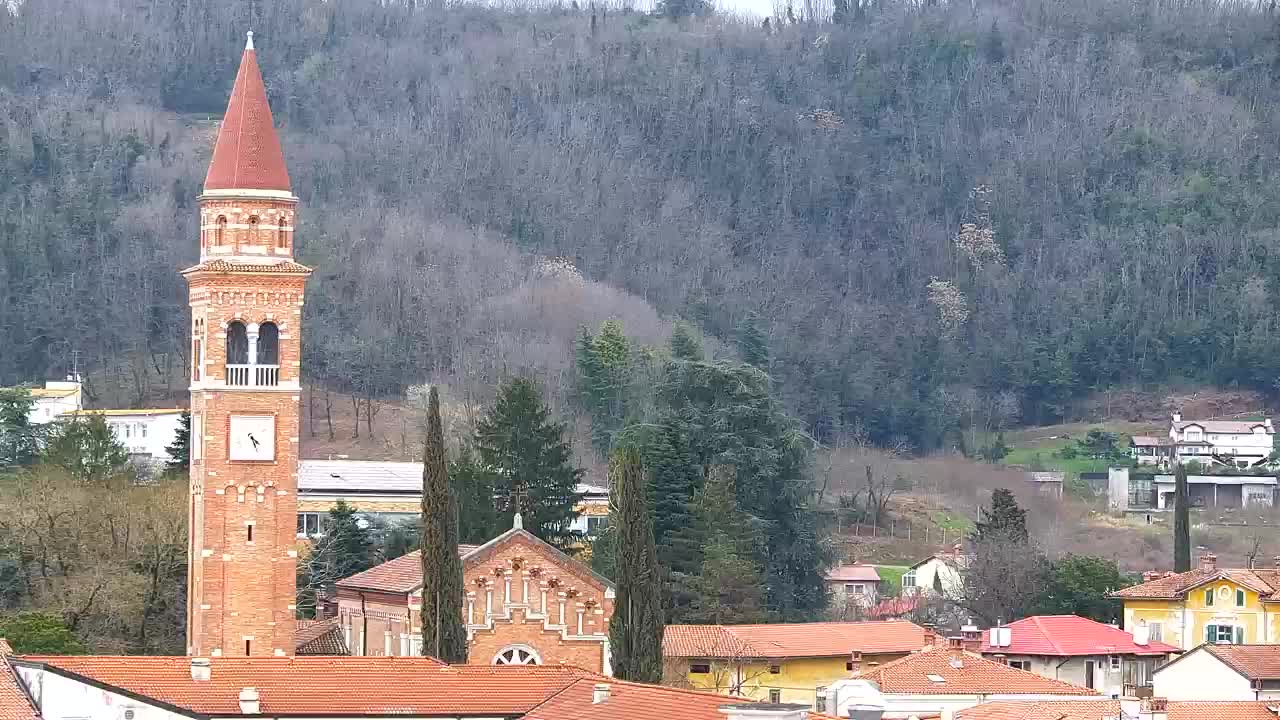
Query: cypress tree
point(443, 636)
point(1181, 520)
point(635, 632)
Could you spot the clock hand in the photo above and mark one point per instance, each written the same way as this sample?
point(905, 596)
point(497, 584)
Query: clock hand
point(253, 440)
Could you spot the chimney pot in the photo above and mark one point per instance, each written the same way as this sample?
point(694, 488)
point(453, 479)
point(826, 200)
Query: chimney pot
point(600, 693)
point(249, 704)
point(200, 670)
point(1208, 562)
point(1177, 417)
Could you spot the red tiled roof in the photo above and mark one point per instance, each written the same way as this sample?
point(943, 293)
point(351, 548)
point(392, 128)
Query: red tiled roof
point(1255, 662)
point(398, 575)
point(779, 640)
point(1042, 710)
point(14, 703)
point(1175, 585)
point(314, 686)
point(853, 573)
point(247, 155)
point(632, 701)
point(1068, 635)
point(220, 265)
point(319, 637)
point(1223, 710)
point(975, 675)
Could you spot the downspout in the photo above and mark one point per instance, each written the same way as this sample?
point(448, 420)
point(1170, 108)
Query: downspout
point(1059, 667)
point(364, 627)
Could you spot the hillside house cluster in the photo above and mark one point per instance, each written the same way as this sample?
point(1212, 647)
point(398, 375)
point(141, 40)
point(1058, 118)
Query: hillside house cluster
point(1221, 443)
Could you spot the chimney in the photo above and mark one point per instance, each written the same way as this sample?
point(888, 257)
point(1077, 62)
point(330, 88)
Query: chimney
point(200, 671)
point(600, 693)
point(855, 661)
point(1177, 417)
point(1150, 575)
point(931, 636)
point(249, 704)
point(1276, 561)
point(1154, 708)
point(1208, 562)
point(766, 711)
point(1266, 422)
point(1142, 634)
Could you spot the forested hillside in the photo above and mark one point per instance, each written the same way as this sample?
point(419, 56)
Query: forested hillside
point(943, 215)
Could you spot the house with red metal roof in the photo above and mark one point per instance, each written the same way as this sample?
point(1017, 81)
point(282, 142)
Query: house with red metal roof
point(1079, 651)
point(355, 688)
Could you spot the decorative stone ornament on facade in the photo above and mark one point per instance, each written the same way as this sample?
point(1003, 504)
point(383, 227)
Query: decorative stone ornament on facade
point(244, 388)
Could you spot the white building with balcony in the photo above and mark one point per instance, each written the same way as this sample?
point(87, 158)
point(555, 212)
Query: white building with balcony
point(145, 433)
point(1231, 443)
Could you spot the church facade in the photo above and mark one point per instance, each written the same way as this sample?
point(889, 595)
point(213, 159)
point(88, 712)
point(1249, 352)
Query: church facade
point(527, 603)
point(246, 296)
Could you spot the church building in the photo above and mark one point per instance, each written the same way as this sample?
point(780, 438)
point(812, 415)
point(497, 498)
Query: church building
point(246, 297)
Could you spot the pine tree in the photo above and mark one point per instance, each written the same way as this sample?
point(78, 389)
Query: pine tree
point(443, 635)
point(635, 632)
point(1181, 521)
point(728, 587)
point(604, 370)
point(685, 343)
point(526, 450)
point(86, 448)
point(753, 346)
point(180, 449)
point(676, 479)
point(1004, 521)
point(348, 544)
point(19, 437)
point(473, 488)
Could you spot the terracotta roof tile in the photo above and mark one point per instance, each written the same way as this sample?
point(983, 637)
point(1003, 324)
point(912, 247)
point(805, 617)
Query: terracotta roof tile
point(1223, 710)
point(14, 702)
point(1067, 635)
point(853, 573)
point(319, 637)
point(1174, 585)
point(247, 155)
point(398, 575)
point(632, 701)
point(792, 639)
point(976, 675)
point(1256, 662)
point(1042, 710)
point(220, 265)
point(385, 685)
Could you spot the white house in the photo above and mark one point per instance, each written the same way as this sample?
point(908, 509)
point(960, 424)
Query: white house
point(940, 573)
point(853, 584)
point(1080, 651)
point(1233, 443)
point(54, 400)
point(940, 682)
point(1222, 672)
point(145, 433)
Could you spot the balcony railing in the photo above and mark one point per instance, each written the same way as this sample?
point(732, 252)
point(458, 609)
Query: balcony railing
point(253, 375)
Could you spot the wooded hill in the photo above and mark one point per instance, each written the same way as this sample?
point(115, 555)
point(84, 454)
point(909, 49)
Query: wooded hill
point(946, 215)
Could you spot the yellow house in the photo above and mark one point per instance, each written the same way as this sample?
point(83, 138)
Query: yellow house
point(1208, 604)
point(784, 662)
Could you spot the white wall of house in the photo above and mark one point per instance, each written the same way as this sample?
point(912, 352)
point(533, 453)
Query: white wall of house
point(852, 592)
point(62, 698)
point(922, 577)
point(1108, 674)
point(1250, 444)
point(48, 408)
point(146, 434)
point(1201, 676)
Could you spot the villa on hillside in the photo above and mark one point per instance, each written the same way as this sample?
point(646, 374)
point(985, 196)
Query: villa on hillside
point(1233, 443)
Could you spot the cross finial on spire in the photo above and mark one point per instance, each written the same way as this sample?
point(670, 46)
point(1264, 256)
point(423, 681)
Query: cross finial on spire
point(248, 43)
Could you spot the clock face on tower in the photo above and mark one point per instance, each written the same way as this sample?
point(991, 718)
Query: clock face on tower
point(253, 437)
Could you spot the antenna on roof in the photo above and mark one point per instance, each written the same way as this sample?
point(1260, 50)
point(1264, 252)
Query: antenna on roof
point(248, 43)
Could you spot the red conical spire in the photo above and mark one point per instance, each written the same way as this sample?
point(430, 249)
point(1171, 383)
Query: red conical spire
point(247, 155)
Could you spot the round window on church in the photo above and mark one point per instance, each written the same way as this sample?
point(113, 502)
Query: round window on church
point(517, 655)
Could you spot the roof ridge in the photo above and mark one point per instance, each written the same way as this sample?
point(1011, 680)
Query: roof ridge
point(1048, 636)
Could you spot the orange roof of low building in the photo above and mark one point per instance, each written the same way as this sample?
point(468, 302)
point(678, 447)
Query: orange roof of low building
point(632, 701)
point(14, 702)
point(1255, 662)
point(368, 686)
point(319, 637)
point(1223, 710)
point(779, 640)
point(853, 573)
point(1042, 710)
point(247, 155)
point(974, 675)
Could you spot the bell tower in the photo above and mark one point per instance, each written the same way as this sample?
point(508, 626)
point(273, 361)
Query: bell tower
point(246, 325)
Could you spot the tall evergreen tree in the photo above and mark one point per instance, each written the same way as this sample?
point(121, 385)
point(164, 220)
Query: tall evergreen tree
point(348, 543)
point(635, 632)
point(685, 343)
point(604, 372)
point(753, 346)
point(19, 437)
point(729, 585)
point(443, 635)
point(1004, 519)
point(1181, 520)
point(531, 461)
point(180, 449)
point(473, 488)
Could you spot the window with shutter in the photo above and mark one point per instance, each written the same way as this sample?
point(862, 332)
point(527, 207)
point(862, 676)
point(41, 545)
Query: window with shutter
point(1239, 636)
point(1239, 598)
point(1211, 634)
point(1208, 598)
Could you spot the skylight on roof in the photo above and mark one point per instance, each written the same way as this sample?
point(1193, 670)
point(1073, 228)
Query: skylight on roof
point(935, 678)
